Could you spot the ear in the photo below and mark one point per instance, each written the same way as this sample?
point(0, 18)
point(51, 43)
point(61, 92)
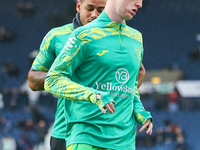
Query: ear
point(78, 6)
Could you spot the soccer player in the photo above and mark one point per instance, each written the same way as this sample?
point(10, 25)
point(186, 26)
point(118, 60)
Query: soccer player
point(97, 70)
point(52, 44)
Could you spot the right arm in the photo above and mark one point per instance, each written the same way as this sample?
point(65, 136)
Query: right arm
point(36, 79)
point(58, 80)
point(42, 63)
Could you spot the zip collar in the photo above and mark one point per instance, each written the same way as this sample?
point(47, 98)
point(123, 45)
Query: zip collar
point(103, 17)
point(76, 21)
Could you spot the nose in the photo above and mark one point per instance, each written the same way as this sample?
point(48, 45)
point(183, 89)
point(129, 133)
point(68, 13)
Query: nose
point(139, 4)
point(95, 14)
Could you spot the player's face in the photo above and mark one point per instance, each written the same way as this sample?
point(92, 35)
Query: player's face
point(90, 9)
point(126, 9)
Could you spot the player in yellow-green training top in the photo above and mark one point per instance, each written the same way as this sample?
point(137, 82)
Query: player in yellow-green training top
point(97, 70)
point(51, 46)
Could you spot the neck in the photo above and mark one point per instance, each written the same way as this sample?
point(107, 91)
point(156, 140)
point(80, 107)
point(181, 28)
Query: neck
point(110, 10)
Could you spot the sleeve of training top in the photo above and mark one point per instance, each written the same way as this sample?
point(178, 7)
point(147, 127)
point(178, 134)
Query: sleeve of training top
point(46, 55)
point(58, 80)
point(140, 114)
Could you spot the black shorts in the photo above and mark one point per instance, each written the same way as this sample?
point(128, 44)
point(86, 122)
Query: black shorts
point(57, 144)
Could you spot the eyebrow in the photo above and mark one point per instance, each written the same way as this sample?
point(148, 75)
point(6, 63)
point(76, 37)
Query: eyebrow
point(97, 7)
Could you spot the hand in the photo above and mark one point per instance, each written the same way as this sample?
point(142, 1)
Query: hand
point(110, 107)
point(148, 125)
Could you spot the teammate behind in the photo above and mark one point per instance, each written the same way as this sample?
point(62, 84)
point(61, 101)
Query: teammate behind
point(52, 44)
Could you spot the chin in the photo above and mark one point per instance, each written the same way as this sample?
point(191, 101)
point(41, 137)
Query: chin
point(128, 18)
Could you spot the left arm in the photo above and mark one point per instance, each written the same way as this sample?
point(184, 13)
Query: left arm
point(141, 75)
point(141, 115)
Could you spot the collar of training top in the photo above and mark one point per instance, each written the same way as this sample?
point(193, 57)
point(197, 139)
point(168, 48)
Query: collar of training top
point(76, 21)
point(104, 18)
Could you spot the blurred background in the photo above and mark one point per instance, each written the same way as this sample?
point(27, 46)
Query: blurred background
point(171, 87)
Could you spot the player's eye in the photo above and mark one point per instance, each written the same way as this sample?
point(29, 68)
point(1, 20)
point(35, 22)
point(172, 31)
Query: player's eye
point(100, 10)
point(90, 8)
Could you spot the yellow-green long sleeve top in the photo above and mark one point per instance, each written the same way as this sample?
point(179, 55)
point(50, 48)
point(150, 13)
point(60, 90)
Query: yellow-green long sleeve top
point(102, 57)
